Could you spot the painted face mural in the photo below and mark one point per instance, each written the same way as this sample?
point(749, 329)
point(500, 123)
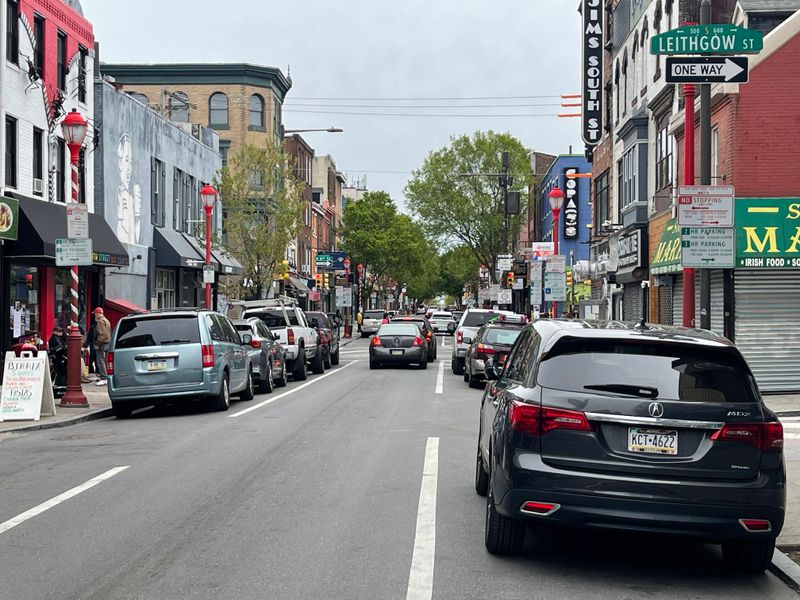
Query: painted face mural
point(129, 197)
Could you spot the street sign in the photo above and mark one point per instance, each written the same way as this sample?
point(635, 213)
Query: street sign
point(555, 287)
point(536, 282)
point(504, 297)
point(208, 274)
point(484, 294)
point(71, 253)
point(708, 247)
point(77, 221)
point(707, 69)
point(505, 262)
point(705, 205)
point(556, 264)
point(494, 291)
point(519, 283)
point(330, 261)
point(708, 39)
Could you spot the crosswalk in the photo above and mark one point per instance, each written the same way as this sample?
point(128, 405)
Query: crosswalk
point(791, 429)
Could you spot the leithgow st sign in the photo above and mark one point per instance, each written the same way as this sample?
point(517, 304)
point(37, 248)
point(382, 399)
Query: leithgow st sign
point(768, 233)
point(708, 39)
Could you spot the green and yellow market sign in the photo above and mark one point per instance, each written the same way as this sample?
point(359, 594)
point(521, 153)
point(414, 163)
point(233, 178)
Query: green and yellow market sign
point(668, 254)
point(767, 233)
point(9, 218)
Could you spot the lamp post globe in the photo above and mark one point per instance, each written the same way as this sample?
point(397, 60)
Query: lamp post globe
point(74, 128)
point(208, 195)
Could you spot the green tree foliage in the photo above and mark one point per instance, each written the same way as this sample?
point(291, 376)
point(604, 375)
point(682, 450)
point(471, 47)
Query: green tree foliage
point(459, 267)
point(457, 195)
point(262, 208)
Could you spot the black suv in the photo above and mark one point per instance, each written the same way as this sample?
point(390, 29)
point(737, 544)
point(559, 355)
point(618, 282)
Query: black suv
point(640, 428)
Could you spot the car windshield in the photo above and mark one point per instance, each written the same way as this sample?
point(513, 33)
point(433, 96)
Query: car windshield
point(476, 319)
point(666, 371)
point(505, 337)
point(398, 329)
point(275, 320)
point(373, 314)
point(157, 331)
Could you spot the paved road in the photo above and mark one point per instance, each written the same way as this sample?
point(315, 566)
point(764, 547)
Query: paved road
point(313, 495)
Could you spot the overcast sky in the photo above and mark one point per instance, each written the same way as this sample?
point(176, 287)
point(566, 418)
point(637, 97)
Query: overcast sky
point(377, 49)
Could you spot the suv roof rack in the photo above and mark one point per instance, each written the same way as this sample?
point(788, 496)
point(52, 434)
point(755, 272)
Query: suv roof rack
point(280, 301)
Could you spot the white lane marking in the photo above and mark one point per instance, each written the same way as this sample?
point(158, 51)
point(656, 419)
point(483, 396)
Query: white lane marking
point(790, 424)
point(791, 436)
point(420, 578)
point(291, 391)
point(440, 378)
point(37, 510)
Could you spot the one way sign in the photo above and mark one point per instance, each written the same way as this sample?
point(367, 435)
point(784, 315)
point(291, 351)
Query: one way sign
point(707, 69)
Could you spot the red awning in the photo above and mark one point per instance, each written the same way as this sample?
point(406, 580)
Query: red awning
point(123, 306)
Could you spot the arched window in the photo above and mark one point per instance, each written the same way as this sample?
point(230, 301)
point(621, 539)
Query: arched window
point(625, 83)
point(218, 110)
point(256, 111)
point(636, 68)
point(645, 53)
point(140, 97)
point(179, 107)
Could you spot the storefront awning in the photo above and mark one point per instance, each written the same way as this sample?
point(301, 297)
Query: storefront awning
point(299, 285)
point(200, 248)
point(172, 250)
point(41, 223)
point(228, 265)
point(668, 255)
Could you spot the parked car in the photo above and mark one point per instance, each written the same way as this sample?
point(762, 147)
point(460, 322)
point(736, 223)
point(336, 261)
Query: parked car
point(299, 340)
point(426, 330)
point(639, 428)
point(398, 343)
point(440, 321)
point(472, 320)
point(493, 340)
point(171, 355)
point(266, 354)
point(328, 336)
point(372, 320)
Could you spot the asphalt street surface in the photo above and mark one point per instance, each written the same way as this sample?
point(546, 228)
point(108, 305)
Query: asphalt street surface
point(355, 484)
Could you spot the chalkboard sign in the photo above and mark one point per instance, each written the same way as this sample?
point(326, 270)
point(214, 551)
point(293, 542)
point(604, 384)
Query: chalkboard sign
point(27, 388)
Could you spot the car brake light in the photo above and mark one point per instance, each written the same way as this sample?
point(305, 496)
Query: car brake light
point(376, 341)
point(540, 508)
point(756, 525)
point(767, 437)
point(417, 341)
point(207, 351)
point(255, 343)
point(110, 363)
point(484, 350)
point(290, 339)
point(460, 337)
point(535, 420)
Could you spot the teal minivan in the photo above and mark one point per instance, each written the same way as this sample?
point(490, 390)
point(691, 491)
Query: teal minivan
point(175, 355)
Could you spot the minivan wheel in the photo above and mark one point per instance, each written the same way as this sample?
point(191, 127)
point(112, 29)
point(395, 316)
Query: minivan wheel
point(300, 372)
point(318, 363)
point(748, 556)
point(481, 476)
point(502, 535)
point(265, 384)
point(248, 393)
point(458, 366)
point(121, 411)
point(222, 401)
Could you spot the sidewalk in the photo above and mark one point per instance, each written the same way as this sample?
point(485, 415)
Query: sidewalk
point(787, 405)
point(99, 407)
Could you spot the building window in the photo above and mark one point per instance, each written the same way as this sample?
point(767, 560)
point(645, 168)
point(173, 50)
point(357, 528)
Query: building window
point(62, 61)
point(82, 56)
point(256, 111)
point(601, 202)
point(165, 288)
point(714, 155)
point(140, 97)
point(61, 176)
point(38, 161)
point(645, 58)
point(39, 41)
point(664, 153)
point(625, 84)
point(11, 152)
point(616, 89)
point(627, 192)
point(276, 130)
point(157, 204)
point(178, 107)
point(218, 110)
point(636, 67)
point(12, 32)
point(224, 149)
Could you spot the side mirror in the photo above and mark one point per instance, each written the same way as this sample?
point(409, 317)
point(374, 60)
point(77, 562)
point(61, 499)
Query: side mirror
point(246, 339)
point(491, 370)
point(466, 340)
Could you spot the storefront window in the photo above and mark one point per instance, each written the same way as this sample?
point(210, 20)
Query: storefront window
point(24, 315)
point(165, 288)
point(61, 306)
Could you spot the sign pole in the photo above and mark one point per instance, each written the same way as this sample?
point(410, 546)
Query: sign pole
point(705, 171)
point(688, 177)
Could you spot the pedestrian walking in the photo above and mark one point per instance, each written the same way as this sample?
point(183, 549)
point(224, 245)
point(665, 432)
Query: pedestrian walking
point(385, 318)
point(338, 320)
point(102, 336)
point(359, 320)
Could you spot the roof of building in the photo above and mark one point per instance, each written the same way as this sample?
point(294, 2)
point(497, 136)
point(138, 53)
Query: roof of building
point(769, 5)
point(75, 5)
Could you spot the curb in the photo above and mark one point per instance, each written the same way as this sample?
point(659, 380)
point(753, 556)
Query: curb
point(786, 570)
point(788, 413)
point(101, 413)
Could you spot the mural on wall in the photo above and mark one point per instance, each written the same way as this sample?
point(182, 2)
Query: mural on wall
point(129, 197)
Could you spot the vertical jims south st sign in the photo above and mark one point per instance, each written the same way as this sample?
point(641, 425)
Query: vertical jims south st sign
point(592, 90)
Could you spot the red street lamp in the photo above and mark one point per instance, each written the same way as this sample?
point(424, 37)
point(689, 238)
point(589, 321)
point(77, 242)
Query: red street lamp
point(74, 128)
point(556, 200)
point(209, 196)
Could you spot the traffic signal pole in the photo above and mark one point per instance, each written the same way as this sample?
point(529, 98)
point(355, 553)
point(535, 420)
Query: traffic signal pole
point(705, 171)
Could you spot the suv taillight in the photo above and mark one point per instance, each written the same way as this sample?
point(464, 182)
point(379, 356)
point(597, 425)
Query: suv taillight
point(110, 363)
point(767, 437)
point(460, 337)
point(207, 351)
point(535, 420)
point(290, 339)
point(417, 341)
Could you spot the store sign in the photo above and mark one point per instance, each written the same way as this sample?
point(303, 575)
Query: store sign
point(570, 204)
point(708, 247)
point(9, 218)
point(592, 89)
point(668, 252)
point(768, 233)
point(27, 388)
point(630, 250)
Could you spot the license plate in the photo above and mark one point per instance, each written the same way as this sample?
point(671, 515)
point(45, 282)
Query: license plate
point(396, 352)
point(156, 365)
point(652, 441)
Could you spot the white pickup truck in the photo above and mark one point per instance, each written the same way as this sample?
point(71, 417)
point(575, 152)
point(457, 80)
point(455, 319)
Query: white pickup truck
point(289, 324)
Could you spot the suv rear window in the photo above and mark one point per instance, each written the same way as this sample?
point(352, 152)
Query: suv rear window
point(274, 319)
point(476, 319)
point(373, 314)
point(497, 335)
point(665, 371)
point(157, 331)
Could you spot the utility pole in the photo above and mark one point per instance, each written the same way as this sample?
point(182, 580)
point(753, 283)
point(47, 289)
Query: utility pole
point(705, 170)
point(505, 180)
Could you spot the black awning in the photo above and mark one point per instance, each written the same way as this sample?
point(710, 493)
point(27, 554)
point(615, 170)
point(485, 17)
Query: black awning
point(41, 223)
point(228, 265)
point(200, 248)
point(299, 285)
point(172, 250)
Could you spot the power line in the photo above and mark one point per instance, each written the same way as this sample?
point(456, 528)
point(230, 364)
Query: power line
point(427, 98)
point(378, 114)
point(291, 104)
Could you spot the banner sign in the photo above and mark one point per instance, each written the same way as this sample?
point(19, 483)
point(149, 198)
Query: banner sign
point(767, 233)
point(592, 89)
point(27, 388)
point(9, 218)
point(571, 204)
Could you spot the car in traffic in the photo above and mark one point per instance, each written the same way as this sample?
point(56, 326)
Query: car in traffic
point(328, 334)
point(440, 321)
point(472, 320)
point(493, 340)
point(427, 332)
point(266, 354)
point(398, 343)
point(176, 355)
point(371, 322)
point(650, 429)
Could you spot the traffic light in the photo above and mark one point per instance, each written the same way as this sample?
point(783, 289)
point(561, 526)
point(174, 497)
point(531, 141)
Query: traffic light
point(510, 279)
point(569, 279)
point(318, 279)
point(327, 279)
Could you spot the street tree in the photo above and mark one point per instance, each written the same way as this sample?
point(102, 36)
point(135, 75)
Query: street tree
point(458, 268)
point(457, 193)
point(262, 211)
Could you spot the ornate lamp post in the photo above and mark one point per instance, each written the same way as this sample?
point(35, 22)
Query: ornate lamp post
point(209, 196)
point(556, 200)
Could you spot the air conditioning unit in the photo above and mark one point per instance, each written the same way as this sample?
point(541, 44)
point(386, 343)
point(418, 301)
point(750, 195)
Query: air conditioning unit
point(306, 268)
point(38, 186)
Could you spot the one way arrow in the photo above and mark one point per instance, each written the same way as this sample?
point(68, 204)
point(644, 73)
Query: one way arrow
point(730, 69)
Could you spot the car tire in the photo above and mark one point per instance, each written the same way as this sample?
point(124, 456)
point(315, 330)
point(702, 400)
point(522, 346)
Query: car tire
point(458, 366)
point(266, 385)
point(474, 382)
point(248, 393)
point(466, 374)
point(481, 476)
point(328, 363)
point(335, 357)
point(374, 364)
point(748, 556)
point(121, 411)
point(300, 371)
point(423, 364)
point(282, 380)
point(318, 362)
point(222, 401)
point(503, 536)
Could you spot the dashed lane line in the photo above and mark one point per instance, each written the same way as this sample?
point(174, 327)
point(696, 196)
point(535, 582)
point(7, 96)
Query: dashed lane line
point(440, 378)
point(420, 578)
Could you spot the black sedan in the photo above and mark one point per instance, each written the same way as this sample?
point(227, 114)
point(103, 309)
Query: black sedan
point(647, 429)
point(425, 329)
point(398, 344)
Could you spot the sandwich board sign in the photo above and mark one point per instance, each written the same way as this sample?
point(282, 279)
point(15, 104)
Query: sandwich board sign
point(27, 388)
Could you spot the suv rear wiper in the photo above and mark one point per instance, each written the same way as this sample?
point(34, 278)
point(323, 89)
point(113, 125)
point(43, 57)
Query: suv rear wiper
point(626, 389)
